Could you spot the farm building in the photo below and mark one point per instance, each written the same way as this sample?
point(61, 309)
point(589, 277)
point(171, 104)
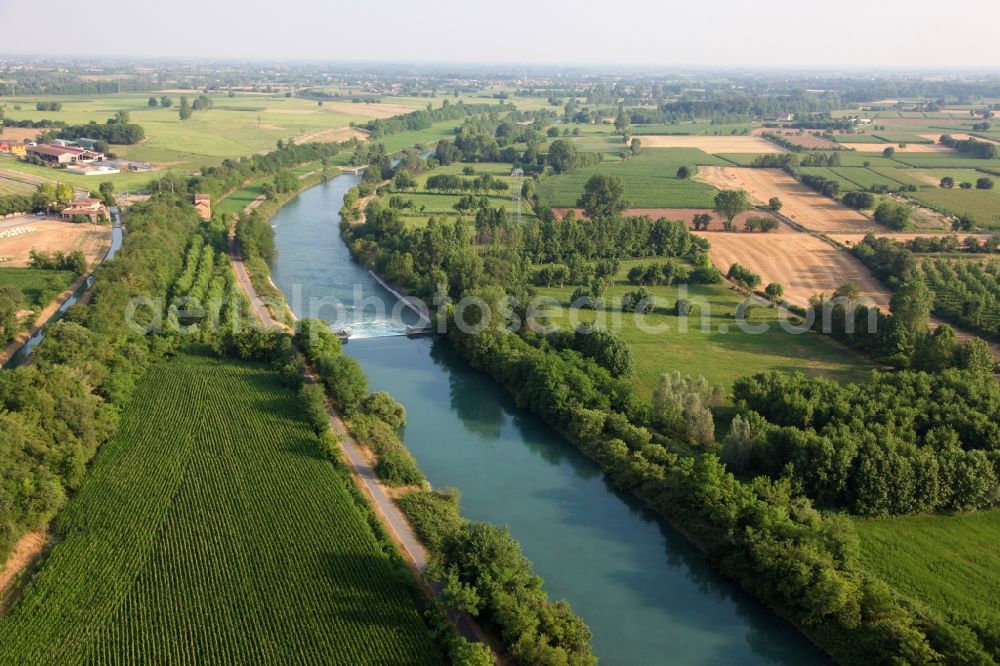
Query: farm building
point(93, 169)
point(203, 204)
point(15, 149)
point(56, 155)
point(85, 207)
point(779, 117)
point(86, 143)
point(63, 143)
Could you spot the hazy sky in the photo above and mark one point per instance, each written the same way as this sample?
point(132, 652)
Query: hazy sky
point(876, 34)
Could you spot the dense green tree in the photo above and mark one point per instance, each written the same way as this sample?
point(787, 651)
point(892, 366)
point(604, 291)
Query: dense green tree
point(911, 306)
point(730, 203)
point(603, 196)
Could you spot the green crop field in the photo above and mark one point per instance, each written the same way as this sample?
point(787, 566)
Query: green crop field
point(903, 137)
point(39, 287)
point(945, 160)
point(739, 159)
point(851, 158)
point(846, 185)
point(983, 206)
point(949, 563)
point(866, 178)
point(899, 175)
point(210, 530)
point(721, 357)
point(650, 180)
point(857, 138)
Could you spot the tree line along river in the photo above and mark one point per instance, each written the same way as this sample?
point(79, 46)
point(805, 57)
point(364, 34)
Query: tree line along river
point(646, 592)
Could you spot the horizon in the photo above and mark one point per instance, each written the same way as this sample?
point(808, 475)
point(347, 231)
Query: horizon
point(892, 35)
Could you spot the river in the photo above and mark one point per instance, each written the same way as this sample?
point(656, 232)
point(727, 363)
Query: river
point(647, 594)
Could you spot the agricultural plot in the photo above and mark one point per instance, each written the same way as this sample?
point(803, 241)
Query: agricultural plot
point(719, 350)
point(946, 160)
point(899, 175)
point(39, 287)
point(877, 148)
point(692, 128)
point(210, 530)
point(802, 263)
point(714, 144)
point(801, 204)
point(983, 206)
point(904, 137)
point(10, 186)
point(946, 562)
point(650, 181)
point(965, 292)
point(866, 179)
point(858, 138)
point(682, 214)
point(234, 127)
point(830, 174)
point(48, 235)
point(850, 158)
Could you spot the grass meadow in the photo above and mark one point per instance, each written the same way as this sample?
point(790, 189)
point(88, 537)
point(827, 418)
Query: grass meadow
point(946, 562)
point(39, 287)
point(721, 352)
point(650, 180)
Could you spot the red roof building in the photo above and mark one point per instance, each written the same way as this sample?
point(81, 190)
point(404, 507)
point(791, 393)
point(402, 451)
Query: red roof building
point(85, 207)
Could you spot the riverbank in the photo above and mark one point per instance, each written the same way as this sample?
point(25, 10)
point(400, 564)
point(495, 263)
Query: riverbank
point(380, 499)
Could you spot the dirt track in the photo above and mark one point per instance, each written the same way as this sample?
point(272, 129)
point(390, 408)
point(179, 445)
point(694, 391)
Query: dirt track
point(712, 144)
point(803, 264)
point(801, 204)
point(25, 551)
point(334, 134)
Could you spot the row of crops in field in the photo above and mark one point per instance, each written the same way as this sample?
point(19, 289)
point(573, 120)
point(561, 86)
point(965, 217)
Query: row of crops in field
point(966, 292)
point(210, 530)
point(203, 298)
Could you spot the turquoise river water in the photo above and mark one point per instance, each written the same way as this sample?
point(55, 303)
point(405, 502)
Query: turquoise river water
point(647, 594)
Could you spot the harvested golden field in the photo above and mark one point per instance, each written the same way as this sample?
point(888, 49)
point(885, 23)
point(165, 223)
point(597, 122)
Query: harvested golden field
point(712, 144)
point(801, 204)
point(19, 134)
point(803, 264)
point(49, 235)
point(685, 214)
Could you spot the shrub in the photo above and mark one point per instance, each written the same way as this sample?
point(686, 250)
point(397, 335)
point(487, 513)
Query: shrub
point(382, 406)
point(314, 404)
